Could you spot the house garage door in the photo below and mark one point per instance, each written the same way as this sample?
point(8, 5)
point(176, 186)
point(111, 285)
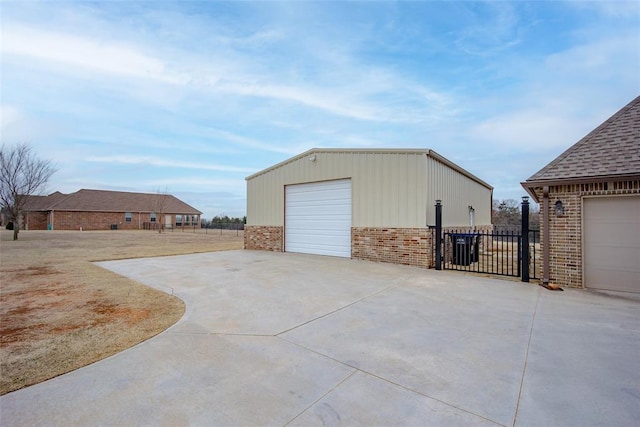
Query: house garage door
point(318, 218)
point(612, 243)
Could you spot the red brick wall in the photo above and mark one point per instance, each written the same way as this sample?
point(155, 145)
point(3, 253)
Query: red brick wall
point(264, 237)
point(34, 221)
point(408, 246)
point(565, 231)
point(64, 220)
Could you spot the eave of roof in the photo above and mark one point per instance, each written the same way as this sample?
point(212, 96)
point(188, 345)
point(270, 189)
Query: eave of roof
point(530, 186)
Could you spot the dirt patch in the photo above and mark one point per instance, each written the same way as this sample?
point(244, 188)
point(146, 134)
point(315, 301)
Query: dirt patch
point(128, 315)
point(59, 312)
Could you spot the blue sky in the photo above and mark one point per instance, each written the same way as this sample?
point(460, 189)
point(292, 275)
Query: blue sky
point(191, 97)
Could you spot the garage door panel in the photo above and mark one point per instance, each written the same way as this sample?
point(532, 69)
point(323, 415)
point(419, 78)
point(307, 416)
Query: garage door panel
point(300, 234)
point(324, 210)
point(609, 233)
point(318, 218)
point(322, 196)
point(316, 240)
point(612, 243)
point(601, 278)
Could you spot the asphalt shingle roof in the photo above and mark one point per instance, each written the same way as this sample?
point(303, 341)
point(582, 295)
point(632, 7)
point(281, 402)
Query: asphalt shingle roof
point(41, 203)
point(110, 201)
point(611, 149)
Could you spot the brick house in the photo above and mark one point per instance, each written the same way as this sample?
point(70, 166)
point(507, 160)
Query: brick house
point(104, 210)
point(590, 206)
point(371, 204)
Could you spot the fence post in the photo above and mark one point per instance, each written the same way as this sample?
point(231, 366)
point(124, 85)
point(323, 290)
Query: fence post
point(525, 239)
point(438, 235)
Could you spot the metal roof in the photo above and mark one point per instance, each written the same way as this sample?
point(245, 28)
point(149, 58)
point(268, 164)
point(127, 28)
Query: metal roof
point(427, 152)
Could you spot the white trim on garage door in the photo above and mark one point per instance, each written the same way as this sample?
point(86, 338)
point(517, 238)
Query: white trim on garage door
point(612, 243)
point(318, 218)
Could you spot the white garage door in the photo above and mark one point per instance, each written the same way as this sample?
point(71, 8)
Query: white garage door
point(318, 218)
point(612, 243)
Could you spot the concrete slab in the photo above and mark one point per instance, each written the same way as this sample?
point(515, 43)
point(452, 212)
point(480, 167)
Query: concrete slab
point(183, 379)
point(584, 362)
point(279, 339)
point(364, 400)
point(259, 293)
point(460, 340)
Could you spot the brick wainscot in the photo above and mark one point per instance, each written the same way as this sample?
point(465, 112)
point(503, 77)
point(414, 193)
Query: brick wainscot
point(264, 237)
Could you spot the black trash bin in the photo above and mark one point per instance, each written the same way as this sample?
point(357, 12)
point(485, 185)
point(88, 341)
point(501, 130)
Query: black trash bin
point(464, 248)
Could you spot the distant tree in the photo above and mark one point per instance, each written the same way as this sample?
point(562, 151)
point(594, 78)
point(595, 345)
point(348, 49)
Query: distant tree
point(159, 208)
point(22, 174)
point(534, 217)
point(507, 215)
point(223, 221)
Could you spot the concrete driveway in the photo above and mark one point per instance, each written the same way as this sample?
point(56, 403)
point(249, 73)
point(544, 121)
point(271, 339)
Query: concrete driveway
point(287, 339)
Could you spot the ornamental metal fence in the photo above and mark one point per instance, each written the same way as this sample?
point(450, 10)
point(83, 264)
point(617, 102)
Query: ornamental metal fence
point(497, 253)
point(503, 252)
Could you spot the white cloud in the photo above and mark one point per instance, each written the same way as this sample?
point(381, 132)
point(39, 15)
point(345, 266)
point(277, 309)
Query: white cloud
point(554, 109)
point(18, 126)
point(196, 182)
point(98, 55)
point(9, 114)
point(370, 94)
point(615, 9)
point(321, 98)
point(489, 33)
point(600, 60)
point(245, 141)
point(528, 130)
point(160, 162)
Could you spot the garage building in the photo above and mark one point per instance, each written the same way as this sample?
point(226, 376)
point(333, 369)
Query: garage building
point(373, 204)
point(590, 197)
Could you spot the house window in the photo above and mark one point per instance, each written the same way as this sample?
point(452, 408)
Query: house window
point(153, 217)
point(127, 216)
point(178, 220)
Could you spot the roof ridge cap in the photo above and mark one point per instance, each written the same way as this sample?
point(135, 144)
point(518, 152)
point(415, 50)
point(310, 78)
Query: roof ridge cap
point(62, 199)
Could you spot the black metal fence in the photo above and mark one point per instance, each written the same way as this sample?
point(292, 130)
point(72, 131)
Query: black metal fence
point(208, 228)
point(498, 253)
point(505, 252)
point(237, 227)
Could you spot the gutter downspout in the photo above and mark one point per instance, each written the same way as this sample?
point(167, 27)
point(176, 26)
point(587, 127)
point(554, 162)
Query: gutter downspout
point(545, 236)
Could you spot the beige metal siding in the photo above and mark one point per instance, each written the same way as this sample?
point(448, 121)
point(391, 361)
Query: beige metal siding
point(390, 189)
point(457, 193)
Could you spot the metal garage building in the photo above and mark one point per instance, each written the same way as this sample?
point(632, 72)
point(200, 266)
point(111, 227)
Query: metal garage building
point(368, 204)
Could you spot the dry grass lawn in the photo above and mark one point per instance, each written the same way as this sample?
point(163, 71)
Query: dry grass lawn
point(59, 312)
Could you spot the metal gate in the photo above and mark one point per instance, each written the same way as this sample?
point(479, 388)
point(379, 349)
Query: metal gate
point(500, 252)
